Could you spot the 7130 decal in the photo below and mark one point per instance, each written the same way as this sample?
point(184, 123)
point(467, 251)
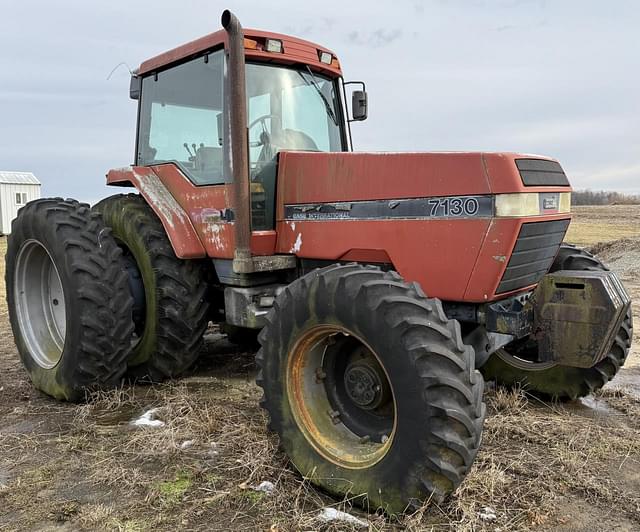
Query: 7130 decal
point(454, 206)
point(413, 208)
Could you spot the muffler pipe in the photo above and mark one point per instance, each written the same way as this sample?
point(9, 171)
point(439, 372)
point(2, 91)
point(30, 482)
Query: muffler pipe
point(236, 90)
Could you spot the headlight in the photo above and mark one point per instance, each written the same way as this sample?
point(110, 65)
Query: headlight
point(532, 204)
point(523, 204)
point(565, 202)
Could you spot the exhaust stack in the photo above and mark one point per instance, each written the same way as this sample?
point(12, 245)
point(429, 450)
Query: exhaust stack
point(242, 261)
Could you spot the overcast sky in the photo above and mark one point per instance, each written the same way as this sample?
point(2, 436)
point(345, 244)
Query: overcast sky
point(555, 77)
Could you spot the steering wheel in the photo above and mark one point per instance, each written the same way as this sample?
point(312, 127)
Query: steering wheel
point(261, 120)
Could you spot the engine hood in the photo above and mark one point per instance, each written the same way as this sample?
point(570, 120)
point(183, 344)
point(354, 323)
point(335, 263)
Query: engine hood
point(306, 177)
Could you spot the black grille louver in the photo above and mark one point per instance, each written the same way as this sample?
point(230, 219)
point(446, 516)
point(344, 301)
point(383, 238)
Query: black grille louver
point(533, 254)
point(539, 173)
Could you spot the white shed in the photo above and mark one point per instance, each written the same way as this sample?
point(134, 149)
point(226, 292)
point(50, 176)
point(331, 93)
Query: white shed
point(16, 189)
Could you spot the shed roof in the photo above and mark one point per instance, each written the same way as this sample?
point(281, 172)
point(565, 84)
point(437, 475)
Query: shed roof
point(18, 178)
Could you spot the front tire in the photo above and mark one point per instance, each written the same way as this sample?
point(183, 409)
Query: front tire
point(554, 381)
point(68, 299)
point(171, 312)
point(370, 388)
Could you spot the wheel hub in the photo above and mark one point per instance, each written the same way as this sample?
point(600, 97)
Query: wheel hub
point(363, 385)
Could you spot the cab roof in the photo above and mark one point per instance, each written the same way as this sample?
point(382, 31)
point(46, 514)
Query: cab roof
point(294, 51)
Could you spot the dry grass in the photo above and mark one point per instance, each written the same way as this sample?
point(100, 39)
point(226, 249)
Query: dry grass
point(541, 466)
point(229, 453)
point(589, 233)
point(597, 224)
point(533, 456)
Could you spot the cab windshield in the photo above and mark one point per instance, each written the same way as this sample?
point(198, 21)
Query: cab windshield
point(290, 109)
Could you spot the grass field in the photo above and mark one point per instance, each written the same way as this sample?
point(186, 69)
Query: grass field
point(592, 225)
point(573, 466)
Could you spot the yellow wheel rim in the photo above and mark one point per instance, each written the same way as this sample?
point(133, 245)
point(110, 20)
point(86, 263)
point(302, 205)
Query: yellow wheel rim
point(320, 420)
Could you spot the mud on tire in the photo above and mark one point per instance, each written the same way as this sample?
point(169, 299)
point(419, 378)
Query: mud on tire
point(436, 394)
point(173, 314)
point(69, 304)
point(563, 382)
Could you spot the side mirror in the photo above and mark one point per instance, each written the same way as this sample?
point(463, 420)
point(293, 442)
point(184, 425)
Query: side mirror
point(359, 105)
point(359, 102)
point(135, 87)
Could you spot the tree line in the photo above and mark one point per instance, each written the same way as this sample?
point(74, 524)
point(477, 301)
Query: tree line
point(603, 197)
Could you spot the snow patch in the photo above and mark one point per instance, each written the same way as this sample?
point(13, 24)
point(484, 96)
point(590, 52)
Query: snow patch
point(265, 487)
point(329, 515)
point(213, 449)
point(487, 514)
point(148, 419)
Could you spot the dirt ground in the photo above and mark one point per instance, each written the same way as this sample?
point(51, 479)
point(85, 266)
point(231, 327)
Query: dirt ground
point(573, 466)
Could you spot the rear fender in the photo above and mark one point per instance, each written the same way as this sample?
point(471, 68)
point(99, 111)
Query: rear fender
point(182, 235)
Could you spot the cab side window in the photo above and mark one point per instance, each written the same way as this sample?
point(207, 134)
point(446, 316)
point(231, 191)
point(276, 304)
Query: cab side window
point(181, 119)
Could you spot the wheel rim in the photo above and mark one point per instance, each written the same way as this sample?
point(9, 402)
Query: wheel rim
point(338, 421)
point(40, 304)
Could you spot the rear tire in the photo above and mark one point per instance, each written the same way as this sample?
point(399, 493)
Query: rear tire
point(68, 299)
point(173, 314)
point(391, 411)
point(563, 382)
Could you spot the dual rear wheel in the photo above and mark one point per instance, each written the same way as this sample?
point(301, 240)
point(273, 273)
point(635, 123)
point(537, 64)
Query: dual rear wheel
point(97, 295)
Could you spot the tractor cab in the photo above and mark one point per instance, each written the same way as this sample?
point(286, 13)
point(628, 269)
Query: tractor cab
point(294, 101)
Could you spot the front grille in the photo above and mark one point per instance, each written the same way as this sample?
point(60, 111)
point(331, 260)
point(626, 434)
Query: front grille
point(533, 254)
point(540, 172)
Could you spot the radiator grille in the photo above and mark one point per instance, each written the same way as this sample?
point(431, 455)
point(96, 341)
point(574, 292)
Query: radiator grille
point(539, 172)
point(533, 254)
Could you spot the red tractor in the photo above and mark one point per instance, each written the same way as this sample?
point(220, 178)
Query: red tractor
point(253, 211)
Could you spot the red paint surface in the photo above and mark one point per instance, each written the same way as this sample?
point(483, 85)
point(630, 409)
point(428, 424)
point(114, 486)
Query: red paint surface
point(205, 234)
point(317, 177)
point(494, 256)
point(439, 254)
point(175, 220)
point(453, 259)
point(295, 51)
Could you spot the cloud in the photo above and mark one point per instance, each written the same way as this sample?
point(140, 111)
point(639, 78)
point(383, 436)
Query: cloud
point(375, 39)
point(556, 78)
